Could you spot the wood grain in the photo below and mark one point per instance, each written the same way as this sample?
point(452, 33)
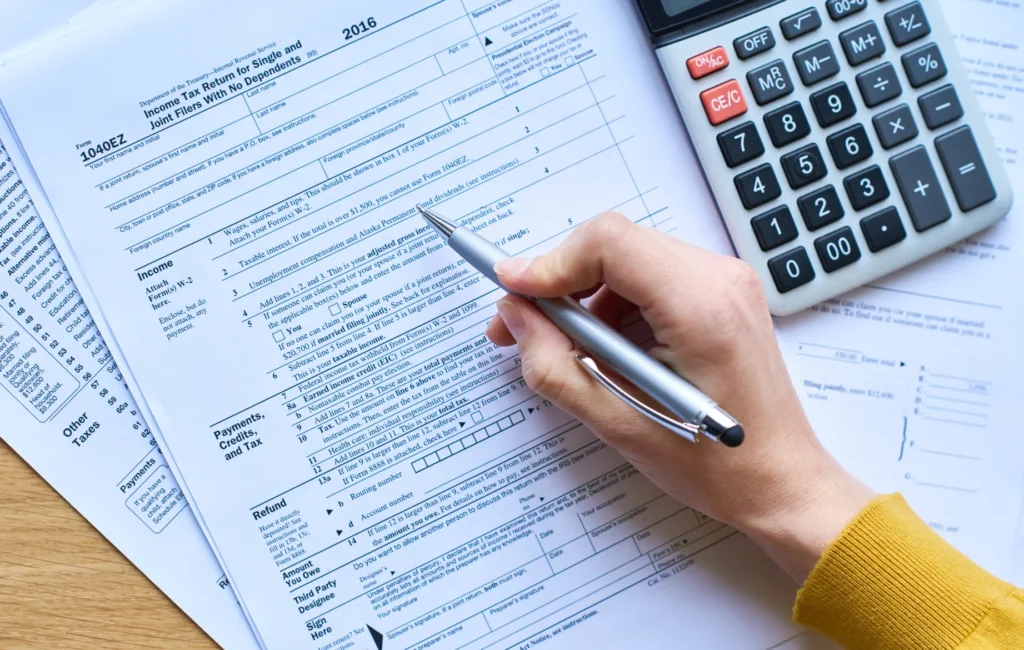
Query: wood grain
point(63, 585)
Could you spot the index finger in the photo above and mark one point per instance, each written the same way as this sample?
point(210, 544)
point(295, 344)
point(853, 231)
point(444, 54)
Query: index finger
point(635, 262)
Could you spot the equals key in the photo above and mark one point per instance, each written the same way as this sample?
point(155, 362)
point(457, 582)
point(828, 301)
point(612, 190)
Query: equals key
point(965, 168)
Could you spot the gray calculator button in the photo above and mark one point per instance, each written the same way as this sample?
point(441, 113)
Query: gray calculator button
point(758, 186)
point(792, 269)
point(940, 107)
point(787, 124)
point(821, 207)
point(804, 166)
point(924, 65)
point(833, 104)
point(774, 228)
point(965, 168)
point(862, 43)
point(866, 188)
point(850, 146)
point(879, 85)
point(816, 63)
point(907, 24)
point(837, 249)
point(755, 42)
point(919, 186)
point(741, 144)
point(895, 126)
point(769, 82)
point(800, 23)
point(839, 9)
point(883, 229)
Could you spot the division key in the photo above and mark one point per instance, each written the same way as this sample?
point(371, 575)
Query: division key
point(965, 168)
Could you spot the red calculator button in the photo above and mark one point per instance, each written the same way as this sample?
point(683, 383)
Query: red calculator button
point(724, 102)
point(708, 62)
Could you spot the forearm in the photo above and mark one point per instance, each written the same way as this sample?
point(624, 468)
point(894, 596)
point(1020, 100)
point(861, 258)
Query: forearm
point(889, 581)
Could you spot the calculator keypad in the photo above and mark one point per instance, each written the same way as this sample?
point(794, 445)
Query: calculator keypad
point(850, 146)
point(800, 23)
point(774, 228)
point(907, 24)
point(787, 124)
point(837, 249)
point(816, 63)
point(740, 144)
point(791, 270)
point(862, 43)
point(924, 65)
point(770, 82)
point(880, 173)
point(883, 229)
point(965, 168)
point(895, 126)
point(940, 107)
point(839, 9)
point(879, 85)
point(753, 43)
point(833, 105)
point(758, 186)
point(821, 207)
point(920, 188)
point(804, 166)
point(724, 102)
point(866, 188)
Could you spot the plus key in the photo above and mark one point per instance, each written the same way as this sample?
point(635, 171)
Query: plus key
point(919, 186)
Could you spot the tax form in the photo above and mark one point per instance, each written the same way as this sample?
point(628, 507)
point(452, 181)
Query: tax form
point(371, 469)
point(68, 413)
point(914, 382)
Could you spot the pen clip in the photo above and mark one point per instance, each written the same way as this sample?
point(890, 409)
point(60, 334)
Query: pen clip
point(685, 429)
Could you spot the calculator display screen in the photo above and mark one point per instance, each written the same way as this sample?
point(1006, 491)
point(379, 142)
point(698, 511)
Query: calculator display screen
point(675, 7)
point(665, 16)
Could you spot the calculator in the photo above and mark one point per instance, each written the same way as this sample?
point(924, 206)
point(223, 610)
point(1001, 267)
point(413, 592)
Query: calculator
point(841, 138)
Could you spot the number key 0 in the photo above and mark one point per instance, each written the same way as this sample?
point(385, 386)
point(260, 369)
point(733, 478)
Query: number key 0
point(791, 270)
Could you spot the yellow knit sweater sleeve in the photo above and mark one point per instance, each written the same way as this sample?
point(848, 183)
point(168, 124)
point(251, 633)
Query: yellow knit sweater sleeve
point(890, 582)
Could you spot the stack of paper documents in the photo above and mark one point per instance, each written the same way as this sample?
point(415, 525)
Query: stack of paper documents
point(323, 450)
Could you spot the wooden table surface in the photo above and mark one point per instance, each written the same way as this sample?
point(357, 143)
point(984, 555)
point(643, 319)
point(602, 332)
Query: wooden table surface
point(63, 585)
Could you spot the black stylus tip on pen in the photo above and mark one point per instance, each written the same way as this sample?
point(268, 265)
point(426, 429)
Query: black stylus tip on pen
point(732, 437)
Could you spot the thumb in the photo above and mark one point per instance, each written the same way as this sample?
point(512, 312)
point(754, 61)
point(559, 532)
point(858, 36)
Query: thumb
point(550, 368)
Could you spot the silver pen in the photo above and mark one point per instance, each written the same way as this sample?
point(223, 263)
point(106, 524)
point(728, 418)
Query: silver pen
point(698, 413)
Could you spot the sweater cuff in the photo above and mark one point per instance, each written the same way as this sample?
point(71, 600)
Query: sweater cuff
point(889, 581)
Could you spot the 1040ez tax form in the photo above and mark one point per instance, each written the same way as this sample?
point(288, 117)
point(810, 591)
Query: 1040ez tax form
point(239, 195)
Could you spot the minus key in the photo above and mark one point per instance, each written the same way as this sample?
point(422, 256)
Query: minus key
point(940, 107)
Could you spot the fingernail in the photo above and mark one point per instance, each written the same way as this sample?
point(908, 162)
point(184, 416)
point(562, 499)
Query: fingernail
point(513, 319)
point(512, 266)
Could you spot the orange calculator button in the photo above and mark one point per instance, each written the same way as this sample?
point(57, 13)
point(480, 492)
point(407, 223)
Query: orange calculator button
point(708, 62)
point(724, 102)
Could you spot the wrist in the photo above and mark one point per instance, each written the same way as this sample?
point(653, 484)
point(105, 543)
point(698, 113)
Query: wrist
point(811, 510)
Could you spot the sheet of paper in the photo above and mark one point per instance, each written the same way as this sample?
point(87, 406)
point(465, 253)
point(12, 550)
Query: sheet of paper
point(67, 409)
point(68, 414)
point(914, 382)
point(315, 359)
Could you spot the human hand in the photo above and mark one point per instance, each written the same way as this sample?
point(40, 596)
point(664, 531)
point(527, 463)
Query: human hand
point(711, 323)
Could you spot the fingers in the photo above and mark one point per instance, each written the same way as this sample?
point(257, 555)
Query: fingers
point(550, 368)
point(635, 262)
point(606, 305)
